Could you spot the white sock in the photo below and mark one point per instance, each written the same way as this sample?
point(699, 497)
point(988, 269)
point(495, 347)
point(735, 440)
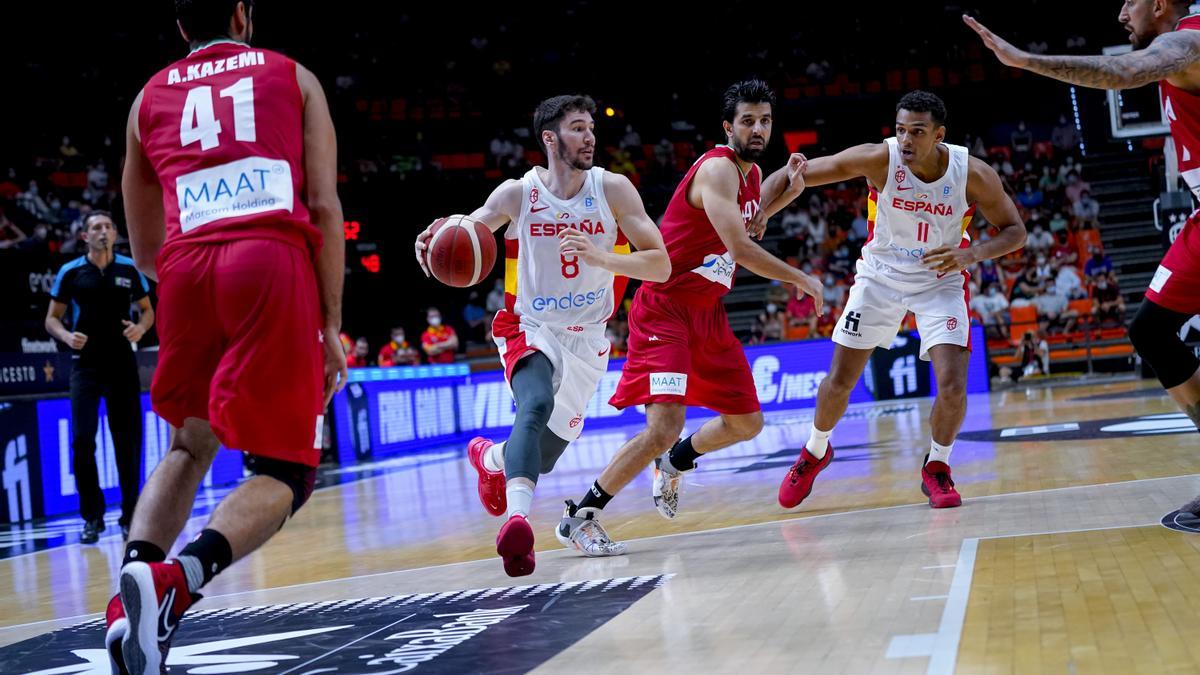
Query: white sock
point(193, 571)
point(939, 453)
point(520, 499)
point(493, 458)
point(818, 442)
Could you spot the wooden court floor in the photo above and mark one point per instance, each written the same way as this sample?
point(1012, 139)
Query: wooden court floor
point(1056, 562)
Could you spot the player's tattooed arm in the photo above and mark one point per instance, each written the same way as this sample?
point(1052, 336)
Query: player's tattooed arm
point(1168, 55)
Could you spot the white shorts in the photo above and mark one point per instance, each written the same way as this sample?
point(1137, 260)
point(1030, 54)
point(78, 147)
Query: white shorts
point(875, 311)
point(579, 355)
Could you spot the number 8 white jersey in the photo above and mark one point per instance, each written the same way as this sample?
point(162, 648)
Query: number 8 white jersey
point(908, 218)
point(540, 282)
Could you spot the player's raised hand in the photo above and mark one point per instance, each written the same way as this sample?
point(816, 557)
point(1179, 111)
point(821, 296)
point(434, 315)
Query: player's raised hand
point(1008, 54)
point(422, 243)
point(807, 284)
point(576, 243)
point(797, 166)
point(946, 260)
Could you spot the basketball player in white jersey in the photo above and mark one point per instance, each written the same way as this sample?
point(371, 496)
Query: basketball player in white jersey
point(924, 193)
point(566, 247)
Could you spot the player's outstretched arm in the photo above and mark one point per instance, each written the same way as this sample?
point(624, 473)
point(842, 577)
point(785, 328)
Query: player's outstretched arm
point(716, 185)
point(1168, 55)
point(868, 161)
point(500, 208)
point(143, 199)
point(649, 262)
point(985, 190)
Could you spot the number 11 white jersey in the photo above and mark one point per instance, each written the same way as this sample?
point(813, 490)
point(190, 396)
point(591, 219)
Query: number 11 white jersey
point(908, 218)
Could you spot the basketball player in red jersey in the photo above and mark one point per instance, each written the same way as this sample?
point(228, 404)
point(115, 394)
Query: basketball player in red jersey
point(230, 192)
point(681, 349)
point(1166, 49)
point(923, 195)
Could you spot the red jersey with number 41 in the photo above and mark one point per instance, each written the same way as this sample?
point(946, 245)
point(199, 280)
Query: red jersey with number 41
point(224, 131)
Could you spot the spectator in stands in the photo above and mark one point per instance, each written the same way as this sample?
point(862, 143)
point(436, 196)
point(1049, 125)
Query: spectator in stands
point(397, 352)
point(1068, 283)
point(67, 149)
point(841, 262)
point(97, 182)
point(1097, 263)
point(1035, 356)
point(834, 294)
point(1054, 311)
point(439, 341)
point(768, 325)
point(1107, 302)
point(1050, 183)
point(794, 222)
point(1063, 253)
point(361, 356)
point(1039, 241)
point(1043, 269)
point(1026, 289)
point(31, 201)
point(992, 307)
point(801, 311)
point(1059, 222)
point(860, 226)
point(1087, 238)
point(1064, 137)
point(632, 139)
point(495, 298)
point(817, 227)
point(1075, 186)
point(1021, 140)
point(475, 316)
point(1086, 210)
point(777, 293)
point(989, 272)
point(1067, 167)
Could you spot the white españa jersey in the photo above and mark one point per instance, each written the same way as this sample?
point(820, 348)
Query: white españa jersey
point(540, 282)
point(908, 218)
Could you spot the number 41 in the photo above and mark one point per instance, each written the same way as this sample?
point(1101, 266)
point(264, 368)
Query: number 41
point(199, 123)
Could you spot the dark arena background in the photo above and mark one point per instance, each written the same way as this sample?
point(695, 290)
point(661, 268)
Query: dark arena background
point(1070, 552)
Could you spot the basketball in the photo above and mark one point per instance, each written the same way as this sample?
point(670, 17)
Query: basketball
point(461, 251)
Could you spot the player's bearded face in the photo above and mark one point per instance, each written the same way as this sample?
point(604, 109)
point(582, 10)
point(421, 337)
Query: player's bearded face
point(1136, 17)
point(576, 142)
point(750, 131)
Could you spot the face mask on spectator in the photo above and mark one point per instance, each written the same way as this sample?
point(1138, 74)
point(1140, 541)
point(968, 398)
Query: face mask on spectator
point(772, 308)
point(993, 291)
point(398, 338)
point(1038, 229)
point(1041, 261)
point(829, 281)
point(435, 320)
point(1103, 285)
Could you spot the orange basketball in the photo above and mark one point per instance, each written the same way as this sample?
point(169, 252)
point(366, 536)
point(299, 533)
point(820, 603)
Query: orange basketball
point(461, 251)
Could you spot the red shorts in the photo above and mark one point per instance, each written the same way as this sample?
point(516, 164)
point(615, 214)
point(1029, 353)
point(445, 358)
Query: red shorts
point(240, 346)
point(683, 351)
point(1176, 284)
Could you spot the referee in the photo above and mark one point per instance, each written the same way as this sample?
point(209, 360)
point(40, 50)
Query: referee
point(99, 289)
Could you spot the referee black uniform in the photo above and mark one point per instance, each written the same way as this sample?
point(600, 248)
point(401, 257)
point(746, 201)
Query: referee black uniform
point(98, 302)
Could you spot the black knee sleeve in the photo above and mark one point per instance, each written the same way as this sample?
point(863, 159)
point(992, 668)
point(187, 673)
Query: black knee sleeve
point(1155, 334)
point(552, 447)
point(298, 477)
